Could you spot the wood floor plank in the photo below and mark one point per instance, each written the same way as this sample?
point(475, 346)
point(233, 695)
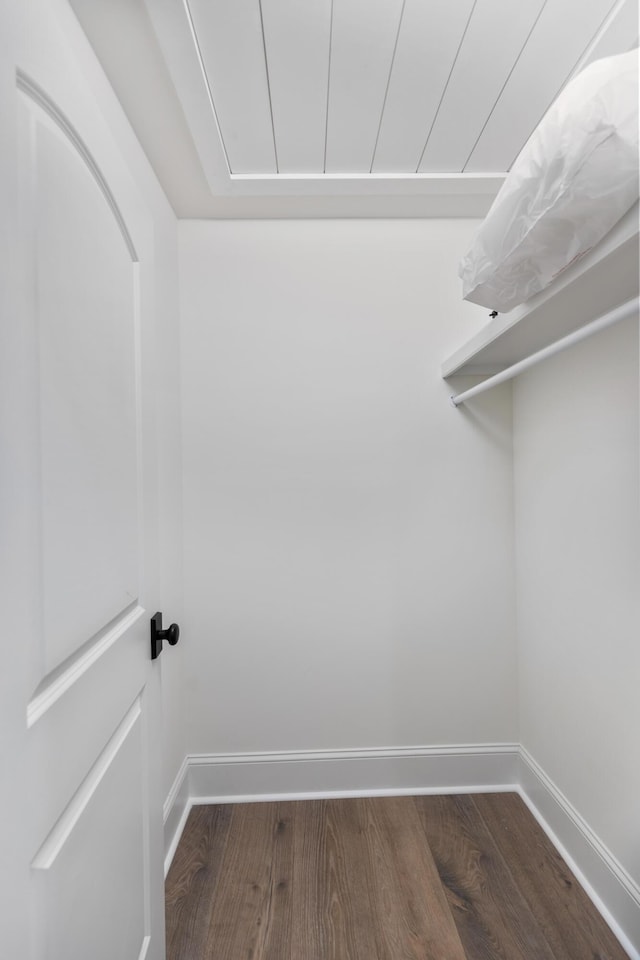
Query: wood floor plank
point(411, 905)
point(192, 881)
point(251, 912)
point(571, 925)
point(278, 916)
point(353, 930)
point(493, 920)
point(310, 904)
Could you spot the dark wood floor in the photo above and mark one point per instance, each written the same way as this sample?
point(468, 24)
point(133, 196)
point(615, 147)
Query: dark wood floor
point(409, 878)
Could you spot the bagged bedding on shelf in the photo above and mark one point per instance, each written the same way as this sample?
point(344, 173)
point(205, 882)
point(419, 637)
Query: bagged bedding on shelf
point(573, 180)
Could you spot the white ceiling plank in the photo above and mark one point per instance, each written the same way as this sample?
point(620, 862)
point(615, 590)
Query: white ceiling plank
point(363, 40)
point(297, 38)
point(229, 35)
point(427, 45)
point(618, 34)
point(496, 34)
point(562, 33)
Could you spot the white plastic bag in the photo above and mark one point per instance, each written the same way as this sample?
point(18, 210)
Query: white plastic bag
point(574, 179)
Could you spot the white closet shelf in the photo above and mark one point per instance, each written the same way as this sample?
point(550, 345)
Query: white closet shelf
point(604, 278)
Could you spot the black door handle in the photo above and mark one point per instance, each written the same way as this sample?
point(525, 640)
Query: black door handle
point(171, 635)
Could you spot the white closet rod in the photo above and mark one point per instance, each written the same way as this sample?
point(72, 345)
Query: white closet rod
point(619, 313)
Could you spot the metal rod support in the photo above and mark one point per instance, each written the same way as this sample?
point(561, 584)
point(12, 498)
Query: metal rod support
point(607, 320)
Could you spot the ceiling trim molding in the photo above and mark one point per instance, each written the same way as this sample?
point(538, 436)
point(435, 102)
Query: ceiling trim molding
point(372, 185)
point(174, 31)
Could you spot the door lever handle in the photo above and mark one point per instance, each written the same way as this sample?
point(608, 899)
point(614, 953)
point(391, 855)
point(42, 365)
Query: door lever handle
point(170, 634)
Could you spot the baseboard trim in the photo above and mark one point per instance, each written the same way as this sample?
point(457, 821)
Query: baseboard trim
point(606, 882)
point(406, 771)
point(218, 778)
point(175, 812)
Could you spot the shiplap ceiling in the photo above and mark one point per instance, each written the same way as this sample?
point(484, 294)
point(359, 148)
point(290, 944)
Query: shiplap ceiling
point(347, 98)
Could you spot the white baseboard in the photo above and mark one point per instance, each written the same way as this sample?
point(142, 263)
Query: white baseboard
point(226, 778)
point(467, 768)
point(175, 812)
point(607, 883)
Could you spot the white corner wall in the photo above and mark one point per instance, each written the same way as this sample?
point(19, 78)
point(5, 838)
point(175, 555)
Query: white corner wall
point(348, 541)
point(170, 498)
point(577, 501)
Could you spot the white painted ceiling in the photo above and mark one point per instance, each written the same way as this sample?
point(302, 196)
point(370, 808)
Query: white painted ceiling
point(343, 107)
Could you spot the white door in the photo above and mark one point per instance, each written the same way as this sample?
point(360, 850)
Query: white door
point(85, 541)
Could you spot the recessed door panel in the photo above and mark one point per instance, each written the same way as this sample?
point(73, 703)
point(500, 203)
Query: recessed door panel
point(86, 313)
point(90, 872)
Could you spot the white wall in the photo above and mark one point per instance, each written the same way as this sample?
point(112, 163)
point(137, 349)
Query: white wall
point(170, 499)
point(577, 488)
point(347, 533)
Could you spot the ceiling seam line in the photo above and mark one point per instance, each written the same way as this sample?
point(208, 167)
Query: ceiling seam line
point(266, 69)
point(194, 37)
point(502, 88)
point(386, 92)
point(446, 86)
point(326, 121)
point(616, 5)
